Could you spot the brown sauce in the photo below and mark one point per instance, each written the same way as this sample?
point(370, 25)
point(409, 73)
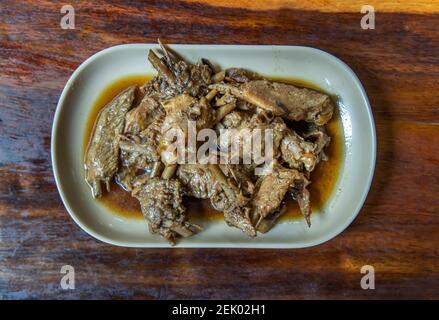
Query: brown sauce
point(323, 178)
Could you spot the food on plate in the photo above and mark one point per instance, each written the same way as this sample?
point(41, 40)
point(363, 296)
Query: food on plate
point(134, 137)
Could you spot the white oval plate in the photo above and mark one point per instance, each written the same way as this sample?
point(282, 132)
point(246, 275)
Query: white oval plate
point(316, 66)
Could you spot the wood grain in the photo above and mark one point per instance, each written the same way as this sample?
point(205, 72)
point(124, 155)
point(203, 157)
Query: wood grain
point(420, 6)
point(397, 230)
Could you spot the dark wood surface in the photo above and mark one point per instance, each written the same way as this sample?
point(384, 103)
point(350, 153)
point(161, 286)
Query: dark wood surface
point(397, 230)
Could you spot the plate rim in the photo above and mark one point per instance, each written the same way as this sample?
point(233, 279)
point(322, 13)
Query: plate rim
point(331, 235)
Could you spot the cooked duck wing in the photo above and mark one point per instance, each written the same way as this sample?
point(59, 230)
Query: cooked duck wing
point(301, 195)
point(161, 204)
point(101, 159)
point(272, 190)
point(284, 100)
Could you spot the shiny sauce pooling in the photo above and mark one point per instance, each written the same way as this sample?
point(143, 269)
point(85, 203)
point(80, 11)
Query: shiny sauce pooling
point(323, 178)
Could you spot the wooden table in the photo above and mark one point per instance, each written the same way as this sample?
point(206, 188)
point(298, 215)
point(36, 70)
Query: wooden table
point(396, 232)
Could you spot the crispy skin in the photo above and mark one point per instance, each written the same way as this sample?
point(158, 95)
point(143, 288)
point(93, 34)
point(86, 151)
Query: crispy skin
point(101, 160)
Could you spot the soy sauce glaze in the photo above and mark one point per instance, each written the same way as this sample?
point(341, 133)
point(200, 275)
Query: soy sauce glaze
point(323, 178)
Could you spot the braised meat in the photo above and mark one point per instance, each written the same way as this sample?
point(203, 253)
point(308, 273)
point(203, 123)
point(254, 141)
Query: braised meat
point(272, 190)
point(161, 203)
point(144, 139)
point(298, 153)
point(102, 156)
point(318, 135)
point(231, 202)
point(246, 122)
point(197, 179)
point(284, 100)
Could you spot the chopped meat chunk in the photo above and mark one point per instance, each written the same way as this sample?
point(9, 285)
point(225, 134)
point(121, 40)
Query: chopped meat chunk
point(272, 190)
point(297, 152)
point(239, 75)
point(231, 202)
point(145, 114)
point(197, 179)
point(242, 175)
point(179, 111)
point(246, 122)
point(177, 77)
point(161, 203)
point(318, 135)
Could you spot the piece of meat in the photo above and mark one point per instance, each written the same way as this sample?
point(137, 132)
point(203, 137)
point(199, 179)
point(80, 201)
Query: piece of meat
point(202, 182)
point(101, 159)
point(318, 136)
point(284, 100)
point(176, 77)
point(234, 119)
point(298, 153)
point(246, 122)
point(239, 75)
point(272, 189)
point(242, 175)
point(140, 140)
point(161, 204)
point(267, 223)
point(125, 176)
point(197, 179)
point(179, 111)
point(141, 135)
point(228, 198)
point(224, 99)
point(184, 107)
point(301, 195)
point(140, 117)
point(141, 149)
